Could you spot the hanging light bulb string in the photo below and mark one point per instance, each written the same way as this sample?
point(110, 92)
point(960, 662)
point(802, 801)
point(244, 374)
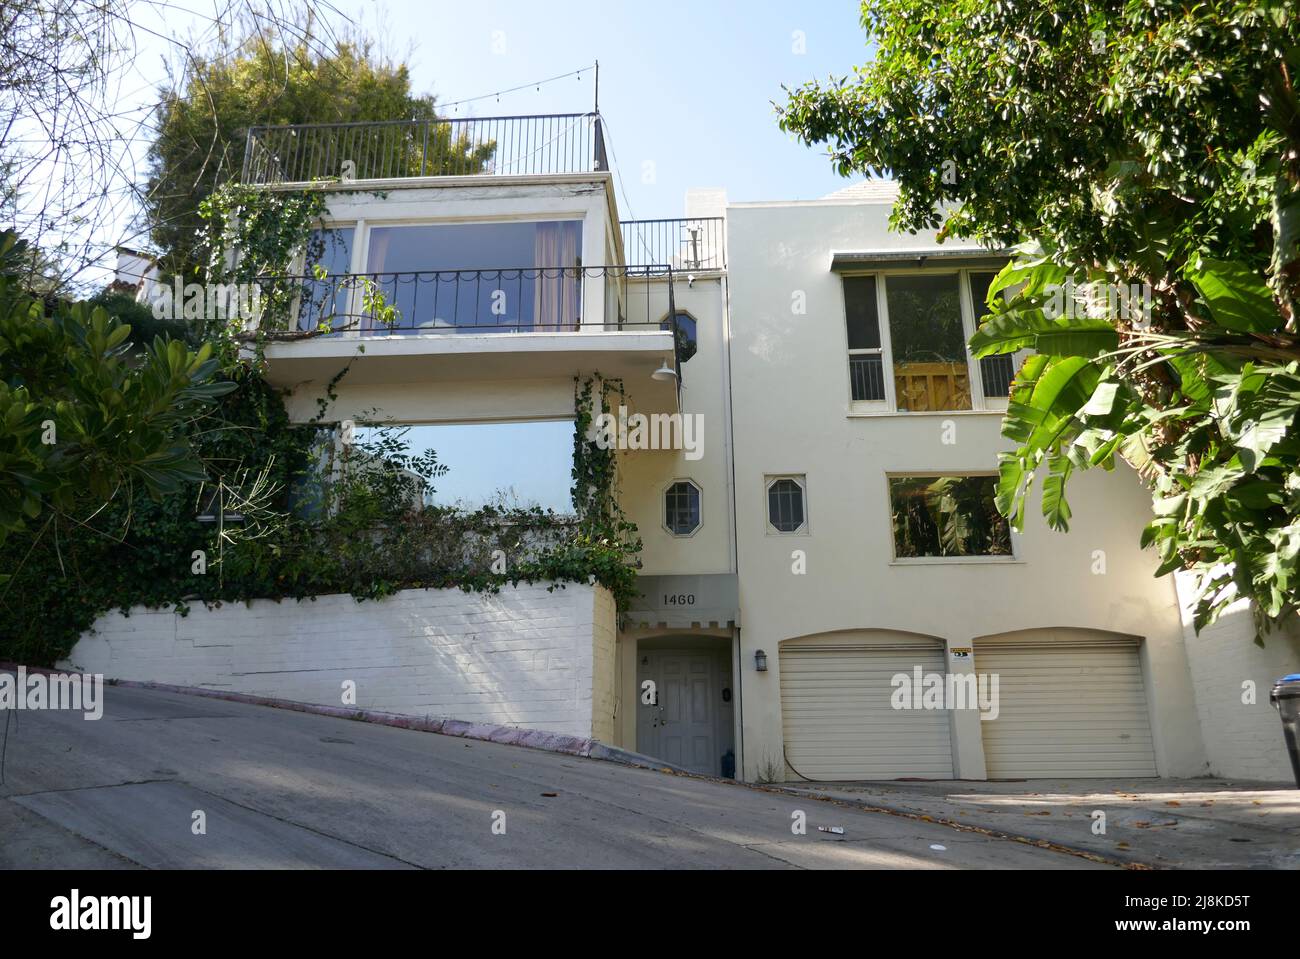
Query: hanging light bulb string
point(536, 84)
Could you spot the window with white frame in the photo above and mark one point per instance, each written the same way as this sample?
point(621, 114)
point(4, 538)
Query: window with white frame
point(787, 504)
point(866, 369)
point(996, 372)
point(682, 508)
point(907, 334)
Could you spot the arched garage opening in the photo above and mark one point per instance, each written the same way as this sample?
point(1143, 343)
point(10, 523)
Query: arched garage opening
point(840, 723)
point(1071, 703)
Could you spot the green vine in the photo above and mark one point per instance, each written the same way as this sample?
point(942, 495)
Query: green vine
point(261, 238)
point(304, 535)
point(272, 241)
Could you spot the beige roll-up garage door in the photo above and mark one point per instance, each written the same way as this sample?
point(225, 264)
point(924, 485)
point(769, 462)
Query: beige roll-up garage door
point(1066, 709)
point(839, 722)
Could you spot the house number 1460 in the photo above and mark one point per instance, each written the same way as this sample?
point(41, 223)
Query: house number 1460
point(679, 599)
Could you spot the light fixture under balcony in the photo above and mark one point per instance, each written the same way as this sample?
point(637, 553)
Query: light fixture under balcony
point(664, 373)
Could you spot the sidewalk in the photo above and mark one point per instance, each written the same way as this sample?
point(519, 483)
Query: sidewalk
point(1165, 823)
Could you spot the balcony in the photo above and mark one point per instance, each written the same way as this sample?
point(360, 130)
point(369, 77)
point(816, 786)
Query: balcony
point(496, 324)
point(567, 143)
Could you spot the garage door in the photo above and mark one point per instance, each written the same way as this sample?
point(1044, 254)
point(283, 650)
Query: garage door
point(1066, 710)
point(839, 724)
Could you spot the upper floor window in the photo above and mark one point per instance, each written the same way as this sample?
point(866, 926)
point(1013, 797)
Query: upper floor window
point(682, 508)
point(453, 277)
point(686, 335)
point(996, 372)
point(947, 516)
point(866, 370)
point(916, 359)
point(325, 302)
point(786, 505)
point(927, 342)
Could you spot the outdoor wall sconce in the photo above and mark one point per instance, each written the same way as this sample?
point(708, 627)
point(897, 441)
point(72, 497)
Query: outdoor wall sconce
point(760, 661)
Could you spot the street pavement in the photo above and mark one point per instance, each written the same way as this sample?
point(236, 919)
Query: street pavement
point(272, 788)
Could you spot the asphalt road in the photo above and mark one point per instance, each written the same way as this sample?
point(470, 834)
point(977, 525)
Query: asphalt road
point(283, 789)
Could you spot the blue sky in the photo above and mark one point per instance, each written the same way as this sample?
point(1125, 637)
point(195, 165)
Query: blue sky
point(685, 86)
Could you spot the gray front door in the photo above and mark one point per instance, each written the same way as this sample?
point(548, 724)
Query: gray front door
point(682, 726)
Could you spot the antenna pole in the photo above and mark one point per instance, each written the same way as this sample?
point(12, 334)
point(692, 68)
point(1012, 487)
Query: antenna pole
point(596, 105)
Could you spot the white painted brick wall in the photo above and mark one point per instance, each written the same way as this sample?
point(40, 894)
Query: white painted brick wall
point(521, 657)
point(1242, 741)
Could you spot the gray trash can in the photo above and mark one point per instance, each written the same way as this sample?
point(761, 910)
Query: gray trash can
point(1286, 698)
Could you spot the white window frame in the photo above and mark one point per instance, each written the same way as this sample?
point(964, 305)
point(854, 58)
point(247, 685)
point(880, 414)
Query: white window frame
point(800, 480)
point(663, 507)
point(867, 406)
point(979, 402)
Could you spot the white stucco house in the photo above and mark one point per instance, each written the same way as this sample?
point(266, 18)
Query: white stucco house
point(806, 555)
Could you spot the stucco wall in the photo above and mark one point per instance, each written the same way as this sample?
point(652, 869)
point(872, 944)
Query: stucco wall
point(525, 656)
point(645, 475)
point(791, 402)
point(1243, 739)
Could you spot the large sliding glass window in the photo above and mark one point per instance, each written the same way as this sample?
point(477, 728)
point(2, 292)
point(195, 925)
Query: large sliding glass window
point(477, 277)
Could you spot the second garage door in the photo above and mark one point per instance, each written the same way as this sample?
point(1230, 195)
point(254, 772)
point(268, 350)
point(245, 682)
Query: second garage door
point(1066, 709)
point(839, 722)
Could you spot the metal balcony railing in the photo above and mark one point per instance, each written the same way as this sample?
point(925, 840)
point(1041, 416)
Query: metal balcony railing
point(698, 243)
point(478, 146)
point(526, 300)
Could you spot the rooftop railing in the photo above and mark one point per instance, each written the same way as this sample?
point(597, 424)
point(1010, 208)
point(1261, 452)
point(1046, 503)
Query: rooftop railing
point(697, 243)
point(477, 146)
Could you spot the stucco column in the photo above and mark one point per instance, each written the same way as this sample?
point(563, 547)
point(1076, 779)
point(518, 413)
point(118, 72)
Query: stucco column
point(967, 736)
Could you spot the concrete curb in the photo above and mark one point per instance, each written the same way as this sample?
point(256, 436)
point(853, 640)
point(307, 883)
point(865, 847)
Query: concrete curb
point(1124, 862)
point(485, 732)
point(626, 757)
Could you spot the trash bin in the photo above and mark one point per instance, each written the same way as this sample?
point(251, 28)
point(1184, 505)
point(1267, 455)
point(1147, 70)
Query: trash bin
point(1286, 698)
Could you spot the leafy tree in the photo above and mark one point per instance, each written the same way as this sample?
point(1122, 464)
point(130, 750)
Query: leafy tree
point(67, 139)
point(79, 416)
point(261, 80)
point(1134, 145)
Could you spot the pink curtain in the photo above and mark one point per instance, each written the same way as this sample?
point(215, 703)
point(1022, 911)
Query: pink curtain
point(558, 285)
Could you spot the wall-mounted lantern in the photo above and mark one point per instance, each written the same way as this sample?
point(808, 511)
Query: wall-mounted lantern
point(760, 661)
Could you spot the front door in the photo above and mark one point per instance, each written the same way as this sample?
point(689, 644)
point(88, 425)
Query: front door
point(681, 726)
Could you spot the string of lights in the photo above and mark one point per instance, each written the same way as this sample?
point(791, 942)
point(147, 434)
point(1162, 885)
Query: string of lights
point(536, 84)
